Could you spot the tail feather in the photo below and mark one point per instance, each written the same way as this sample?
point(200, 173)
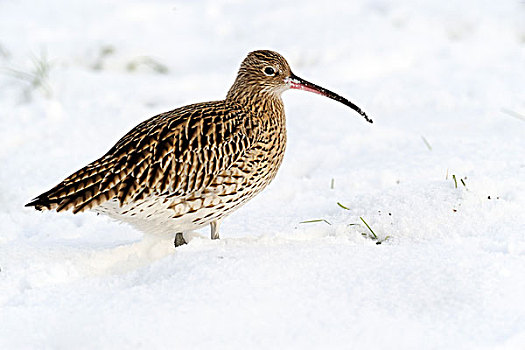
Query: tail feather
point(75, 192)
point(41, 204)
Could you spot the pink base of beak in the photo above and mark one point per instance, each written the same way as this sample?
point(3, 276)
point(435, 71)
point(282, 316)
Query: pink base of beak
point(294, 84)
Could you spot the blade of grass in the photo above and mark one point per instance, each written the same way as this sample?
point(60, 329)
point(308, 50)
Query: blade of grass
point(513, 114)
point(455, 181)
point(426, 143)
point(372, 231)
point(342, 206)
point(316, 220)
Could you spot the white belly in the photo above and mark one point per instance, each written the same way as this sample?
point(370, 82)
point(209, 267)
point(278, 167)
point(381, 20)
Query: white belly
point(159, 216)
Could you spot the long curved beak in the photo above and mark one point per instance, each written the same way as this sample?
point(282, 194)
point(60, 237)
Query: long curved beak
point(298, 83)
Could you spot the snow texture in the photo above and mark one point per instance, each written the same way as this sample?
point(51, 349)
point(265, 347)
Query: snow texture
point(441, 172)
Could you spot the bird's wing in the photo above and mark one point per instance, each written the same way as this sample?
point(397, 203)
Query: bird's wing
point(176, 152)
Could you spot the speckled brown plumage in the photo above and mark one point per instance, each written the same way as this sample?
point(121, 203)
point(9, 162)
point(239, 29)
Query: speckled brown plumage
point(192, 166)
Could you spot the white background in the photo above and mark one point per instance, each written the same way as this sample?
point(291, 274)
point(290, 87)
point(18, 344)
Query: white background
point(450, 275)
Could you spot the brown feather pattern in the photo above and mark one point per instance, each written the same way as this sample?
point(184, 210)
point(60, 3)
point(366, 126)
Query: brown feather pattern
point(155, 158)
point(193, 165)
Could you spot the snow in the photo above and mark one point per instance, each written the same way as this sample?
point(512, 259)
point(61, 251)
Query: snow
point(450, 275)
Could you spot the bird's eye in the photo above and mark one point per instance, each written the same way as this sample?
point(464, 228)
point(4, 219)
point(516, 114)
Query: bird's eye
point(269, 71)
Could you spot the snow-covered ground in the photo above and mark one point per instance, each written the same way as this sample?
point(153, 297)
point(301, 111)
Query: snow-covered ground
point(444, 82)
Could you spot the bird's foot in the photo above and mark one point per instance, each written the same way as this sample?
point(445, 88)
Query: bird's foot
point(215, 229)
point(179, 240)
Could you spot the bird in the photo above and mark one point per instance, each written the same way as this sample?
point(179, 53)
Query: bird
point(191, 167)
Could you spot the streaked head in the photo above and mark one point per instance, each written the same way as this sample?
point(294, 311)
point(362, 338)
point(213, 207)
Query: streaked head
point(267, 72)
point(263, 71)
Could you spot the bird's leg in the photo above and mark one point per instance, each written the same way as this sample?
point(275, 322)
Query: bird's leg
point(179, 239)
point(215, 229)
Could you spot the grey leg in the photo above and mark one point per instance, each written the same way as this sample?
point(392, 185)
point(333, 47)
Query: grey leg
point(179, 239)
point(215, 229)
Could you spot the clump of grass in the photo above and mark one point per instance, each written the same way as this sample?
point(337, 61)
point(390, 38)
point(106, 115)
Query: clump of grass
point(104, 52)
point(133, 65)
point(460, 180)
point(371, 234)
point(148, 62)
point(37, 78)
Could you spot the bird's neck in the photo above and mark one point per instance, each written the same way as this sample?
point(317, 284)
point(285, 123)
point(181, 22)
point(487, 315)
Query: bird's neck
point(265, 104)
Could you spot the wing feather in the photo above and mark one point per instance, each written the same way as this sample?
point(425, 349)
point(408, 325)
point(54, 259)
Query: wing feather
point(174, 153)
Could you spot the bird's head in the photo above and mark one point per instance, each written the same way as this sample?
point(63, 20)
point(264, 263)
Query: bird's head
point(266, 73)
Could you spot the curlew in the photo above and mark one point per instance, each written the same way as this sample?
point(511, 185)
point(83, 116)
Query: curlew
point(192, 166)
